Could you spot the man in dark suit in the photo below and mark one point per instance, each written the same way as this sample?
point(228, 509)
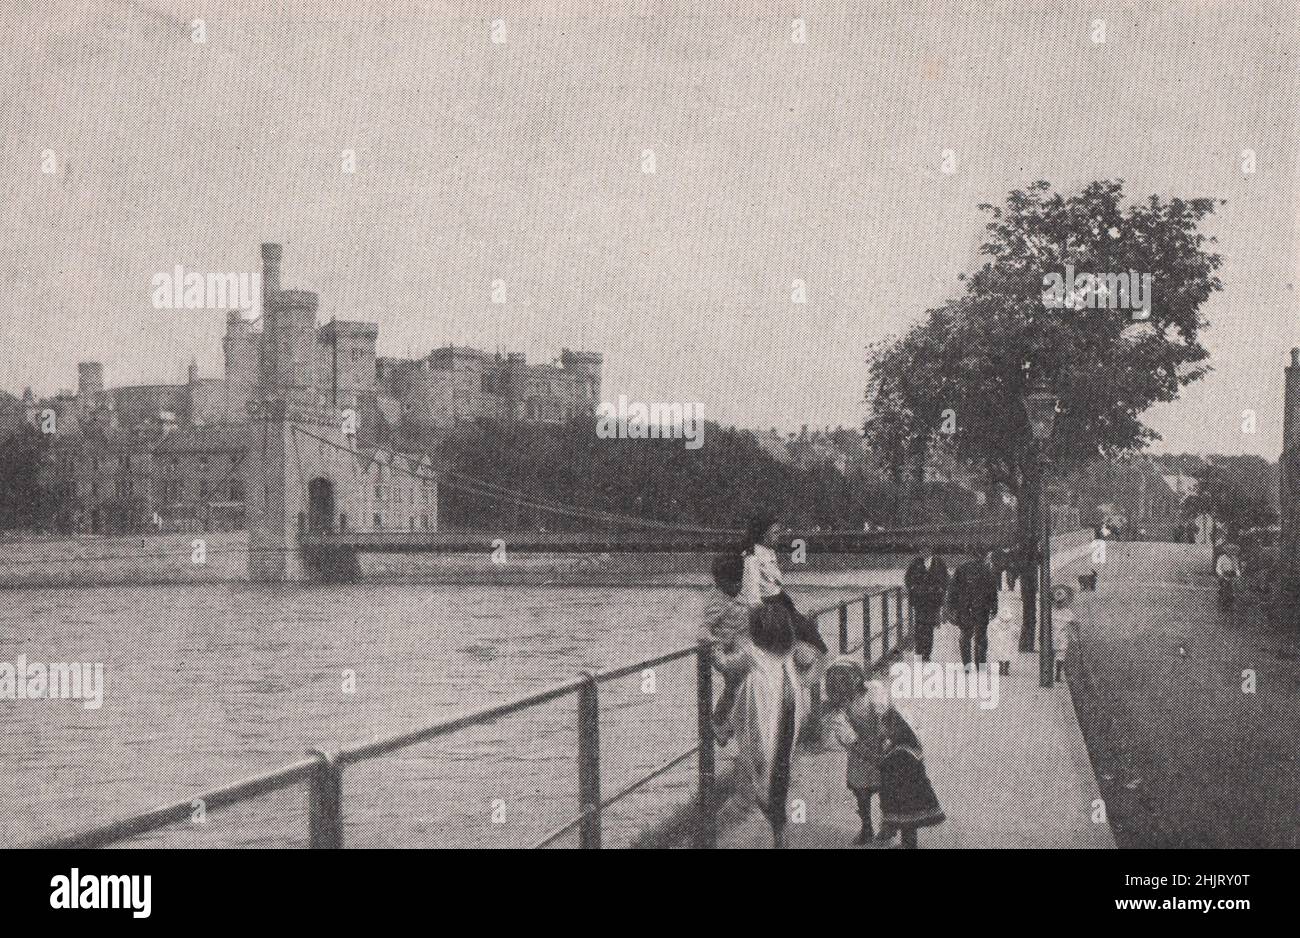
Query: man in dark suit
point(927, 584)
point(973, 601)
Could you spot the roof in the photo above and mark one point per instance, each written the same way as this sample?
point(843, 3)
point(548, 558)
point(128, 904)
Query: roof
point(208, 438)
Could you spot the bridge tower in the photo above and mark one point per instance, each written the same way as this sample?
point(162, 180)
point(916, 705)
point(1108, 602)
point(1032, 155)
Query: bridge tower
point(298, 454)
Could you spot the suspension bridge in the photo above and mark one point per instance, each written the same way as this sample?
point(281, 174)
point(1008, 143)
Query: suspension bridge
point(331, 543)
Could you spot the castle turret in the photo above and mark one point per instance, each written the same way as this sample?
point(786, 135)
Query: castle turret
point(287, 354)
point(90, 378)
point(271, 255)
point(587, 365)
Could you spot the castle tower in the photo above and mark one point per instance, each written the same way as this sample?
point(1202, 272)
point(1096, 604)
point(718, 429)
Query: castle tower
point(286, 402)
point(587, 365)
point(90, 378)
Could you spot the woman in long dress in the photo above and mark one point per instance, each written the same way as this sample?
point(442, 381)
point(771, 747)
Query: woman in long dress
point(770, 707)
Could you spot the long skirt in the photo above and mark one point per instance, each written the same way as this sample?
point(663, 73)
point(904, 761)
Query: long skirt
point(907, 800)
point(770, 707)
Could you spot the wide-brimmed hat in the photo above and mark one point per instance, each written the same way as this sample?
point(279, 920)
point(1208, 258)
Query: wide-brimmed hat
point(1062, 595)
point(844, 677)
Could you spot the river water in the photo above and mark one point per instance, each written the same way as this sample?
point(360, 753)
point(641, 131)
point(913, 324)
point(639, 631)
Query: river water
point(205, 684)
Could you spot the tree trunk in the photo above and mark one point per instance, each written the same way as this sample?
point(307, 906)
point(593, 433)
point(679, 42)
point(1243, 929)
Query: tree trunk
point(1029, 525)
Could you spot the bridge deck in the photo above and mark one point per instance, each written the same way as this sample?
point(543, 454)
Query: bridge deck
point(952, 539)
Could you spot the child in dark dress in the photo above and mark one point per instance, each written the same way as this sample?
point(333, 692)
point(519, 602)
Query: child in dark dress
point(907, 800)
point(856, 705)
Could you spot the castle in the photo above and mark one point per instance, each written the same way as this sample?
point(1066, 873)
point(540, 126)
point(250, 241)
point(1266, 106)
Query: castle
point(176, 456)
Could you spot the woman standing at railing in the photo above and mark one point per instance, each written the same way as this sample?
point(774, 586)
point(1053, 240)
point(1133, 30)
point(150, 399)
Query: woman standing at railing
point(771, 704)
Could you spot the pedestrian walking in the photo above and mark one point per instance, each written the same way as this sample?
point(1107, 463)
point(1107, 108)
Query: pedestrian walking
point(972, 601)
point(927, 585)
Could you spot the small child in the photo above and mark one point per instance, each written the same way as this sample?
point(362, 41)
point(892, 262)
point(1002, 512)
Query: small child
point(856, 705)
point(1003, 642)
point(907, 800)
point(726, 626)
point(1065, 626)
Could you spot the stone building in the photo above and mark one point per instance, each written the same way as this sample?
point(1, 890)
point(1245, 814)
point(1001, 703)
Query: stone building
point(177, 456)
point(454, 384)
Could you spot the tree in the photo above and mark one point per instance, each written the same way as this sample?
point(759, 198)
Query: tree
point(23, 501)
point(1237, 492)
point(958, 377)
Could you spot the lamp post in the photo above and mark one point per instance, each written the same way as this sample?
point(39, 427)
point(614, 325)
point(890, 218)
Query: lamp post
point(1040, 408)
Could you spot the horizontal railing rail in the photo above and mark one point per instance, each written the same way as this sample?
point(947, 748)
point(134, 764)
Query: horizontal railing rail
point(322, 770)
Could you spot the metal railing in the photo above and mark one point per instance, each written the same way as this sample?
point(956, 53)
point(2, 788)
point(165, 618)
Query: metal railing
point(322, 771)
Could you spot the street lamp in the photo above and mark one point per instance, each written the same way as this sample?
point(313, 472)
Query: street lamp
point(1040, 408)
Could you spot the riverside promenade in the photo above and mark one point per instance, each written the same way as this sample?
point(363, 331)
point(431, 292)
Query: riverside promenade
point(1015, 775)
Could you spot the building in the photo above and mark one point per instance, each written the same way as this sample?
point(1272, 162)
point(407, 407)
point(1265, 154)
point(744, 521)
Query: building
point(176, 456)
point(454, 384)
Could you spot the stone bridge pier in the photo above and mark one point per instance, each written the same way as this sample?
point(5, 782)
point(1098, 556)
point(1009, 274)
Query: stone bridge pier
point(303, 477)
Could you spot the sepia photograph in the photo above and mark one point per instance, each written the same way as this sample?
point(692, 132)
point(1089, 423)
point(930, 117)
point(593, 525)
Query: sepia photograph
point(489, 425)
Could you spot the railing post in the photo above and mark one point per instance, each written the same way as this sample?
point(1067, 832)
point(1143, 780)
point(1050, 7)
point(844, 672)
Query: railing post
point(844, 628)
point(898, 610)
point(706, 834)
point(866, 631)
point(589, 763)
point(325, 803)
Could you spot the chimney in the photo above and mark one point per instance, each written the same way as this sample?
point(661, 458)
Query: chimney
point(1291, 404)
point(193, 372)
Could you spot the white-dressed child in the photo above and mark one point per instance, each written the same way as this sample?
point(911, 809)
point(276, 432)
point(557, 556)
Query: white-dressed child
point(1065, 626)
point(1004, 642)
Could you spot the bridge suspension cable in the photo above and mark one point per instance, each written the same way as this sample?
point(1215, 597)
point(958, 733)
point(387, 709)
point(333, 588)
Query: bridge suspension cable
point(491, 490)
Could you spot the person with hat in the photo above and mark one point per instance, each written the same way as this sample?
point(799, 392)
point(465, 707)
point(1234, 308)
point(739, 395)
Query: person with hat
point(1228, 569)
point(927, 584)
point(856, 706)
point(1065, 625)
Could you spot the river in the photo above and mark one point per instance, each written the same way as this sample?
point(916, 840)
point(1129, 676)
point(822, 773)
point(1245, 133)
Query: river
point(204, 684)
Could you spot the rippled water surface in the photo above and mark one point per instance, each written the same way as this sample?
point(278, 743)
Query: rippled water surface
point(206, 684)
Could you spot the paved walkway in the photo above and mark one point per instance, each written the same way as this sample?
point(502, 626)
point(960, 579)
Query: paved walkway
point(1016, 775)
point(1189, 755)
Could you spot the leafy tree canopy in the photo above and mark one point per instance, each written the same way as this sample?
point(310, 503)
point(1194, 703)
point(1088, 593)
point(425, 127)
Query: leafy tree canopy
point(958, 377)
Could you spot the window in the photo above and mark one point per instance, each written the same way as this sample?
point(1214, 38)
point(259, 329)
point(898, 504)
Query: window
point(379, 493)
point(379, 521)
point(203, 489)
point(236, 490)
point(356, 355)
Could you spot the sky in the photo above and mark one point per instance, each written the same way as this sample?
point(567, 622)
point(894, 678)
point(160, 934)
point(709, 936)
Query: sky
point(521, 163)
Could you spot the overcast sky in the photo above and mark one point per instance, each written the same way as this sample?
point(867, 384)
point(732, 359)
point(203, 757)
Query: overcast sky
point(522, 161)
